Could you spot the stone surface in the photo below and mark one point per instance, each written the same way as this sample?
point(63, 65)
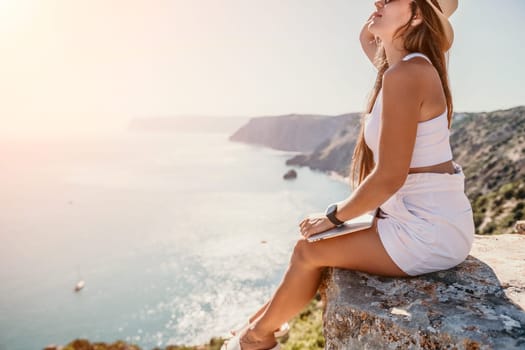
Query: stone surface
point(461, 308)
point(505, 254)
point(519, 227)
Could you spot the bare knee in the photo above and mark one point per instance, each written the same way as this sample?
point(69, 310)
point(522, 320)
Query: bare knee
point(302, 254)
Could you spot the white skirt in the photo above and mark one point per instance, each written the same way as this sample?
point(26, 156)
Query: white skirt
point(429, 224)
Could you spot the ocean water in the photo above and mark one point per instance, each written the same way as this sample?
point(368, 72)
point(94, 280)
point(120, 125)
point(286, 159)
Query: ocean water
point(179, 236)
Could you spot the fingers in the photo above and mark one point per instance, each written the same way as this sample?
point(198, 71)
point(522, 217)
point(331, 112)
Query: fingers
point(307, 226)
point(306, 232)
point(304, 226)
point(305, 222)
point(311, 224)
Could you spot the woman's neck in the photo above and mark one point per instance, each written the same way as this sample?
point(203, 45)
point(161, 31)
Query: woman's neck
point(393, 53)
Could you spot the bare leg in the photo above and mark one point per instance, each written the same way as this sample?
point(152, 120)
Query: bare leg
point(297, 288)
point(361, 251)
point(255, 315)
point(260, 311)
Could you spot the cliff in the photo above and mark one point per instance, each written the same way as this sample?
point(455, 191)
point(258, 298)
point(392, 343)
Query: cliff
point(335, 153)
point(293, 132)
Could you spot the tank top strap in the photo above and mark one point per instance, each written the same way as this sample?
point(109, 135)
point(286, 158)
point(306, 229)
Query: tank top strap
point(414, 54)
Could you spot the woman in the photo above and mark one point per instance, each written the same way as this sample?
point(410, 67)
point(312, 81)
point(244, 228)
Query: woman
point(402, 163)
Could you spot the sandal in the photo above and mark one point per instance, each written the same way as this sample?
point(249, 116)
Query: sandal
point(281, 332)
point(234, 344)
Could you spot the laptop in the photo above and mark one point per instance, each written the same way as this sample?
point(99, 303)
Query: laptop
point(358, 223)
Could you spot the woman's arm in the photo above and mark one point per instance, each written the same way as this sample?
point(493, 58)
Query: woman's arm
point(402, 97)
point(368, 42)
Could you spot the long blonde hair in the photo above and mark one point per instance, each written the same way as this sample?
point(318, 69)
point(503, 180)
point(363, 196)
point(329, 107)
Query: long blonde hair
point(427, 38)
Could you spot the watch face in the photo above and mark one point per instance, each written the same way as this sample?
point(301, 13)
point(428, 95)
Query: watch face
point(331, 209)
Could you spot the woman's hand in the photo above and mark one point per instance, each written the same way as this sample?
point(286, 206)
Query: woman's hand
point(364, 31)
point(315, 223)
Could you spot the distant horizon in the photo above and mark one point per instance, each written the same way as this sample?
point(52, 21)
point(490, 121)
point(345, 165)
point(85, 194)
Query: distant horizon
point(124, 127)
point(91, 66)
point(298, 113)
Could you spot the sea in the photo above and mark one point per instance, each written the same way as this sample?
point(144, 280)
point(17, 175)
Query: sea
point(178, 235)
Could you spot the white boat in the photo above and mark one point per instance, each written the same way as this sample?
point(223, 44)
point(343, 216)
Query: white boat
point(79, 285)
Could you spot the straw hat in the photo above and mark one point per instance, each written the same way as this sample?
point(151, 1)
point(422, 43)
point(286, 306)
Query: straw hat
point(448, 7)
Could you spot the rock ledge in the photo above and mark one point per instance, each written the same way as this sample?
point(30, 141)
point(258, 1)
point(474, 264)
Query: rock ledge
point(461, 308)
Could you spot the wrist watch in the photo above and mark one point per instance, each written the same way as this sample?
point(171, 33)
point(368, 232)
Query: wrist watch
point(330, 214)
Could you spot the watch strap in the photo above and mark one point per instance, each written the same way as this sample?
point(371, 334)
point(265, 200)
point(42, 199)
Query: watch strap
point(330, 214)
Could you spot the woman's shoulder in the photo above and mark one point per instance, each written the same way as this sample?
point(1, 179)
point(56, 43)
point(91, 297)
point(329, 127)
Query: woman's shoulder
point(417, 69)
point(414, 74)
point(407, 83)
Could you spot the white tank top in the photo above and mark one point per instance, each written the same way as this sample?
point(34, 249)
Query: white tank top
point(432, 140)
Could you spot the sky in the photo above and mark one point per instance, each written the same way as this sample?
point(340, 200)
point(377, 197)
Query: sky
point(75, 66)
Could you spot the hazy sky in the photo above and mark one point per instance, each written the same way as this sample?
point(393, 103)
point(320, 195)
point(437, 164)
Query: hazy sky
point(72, 65)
